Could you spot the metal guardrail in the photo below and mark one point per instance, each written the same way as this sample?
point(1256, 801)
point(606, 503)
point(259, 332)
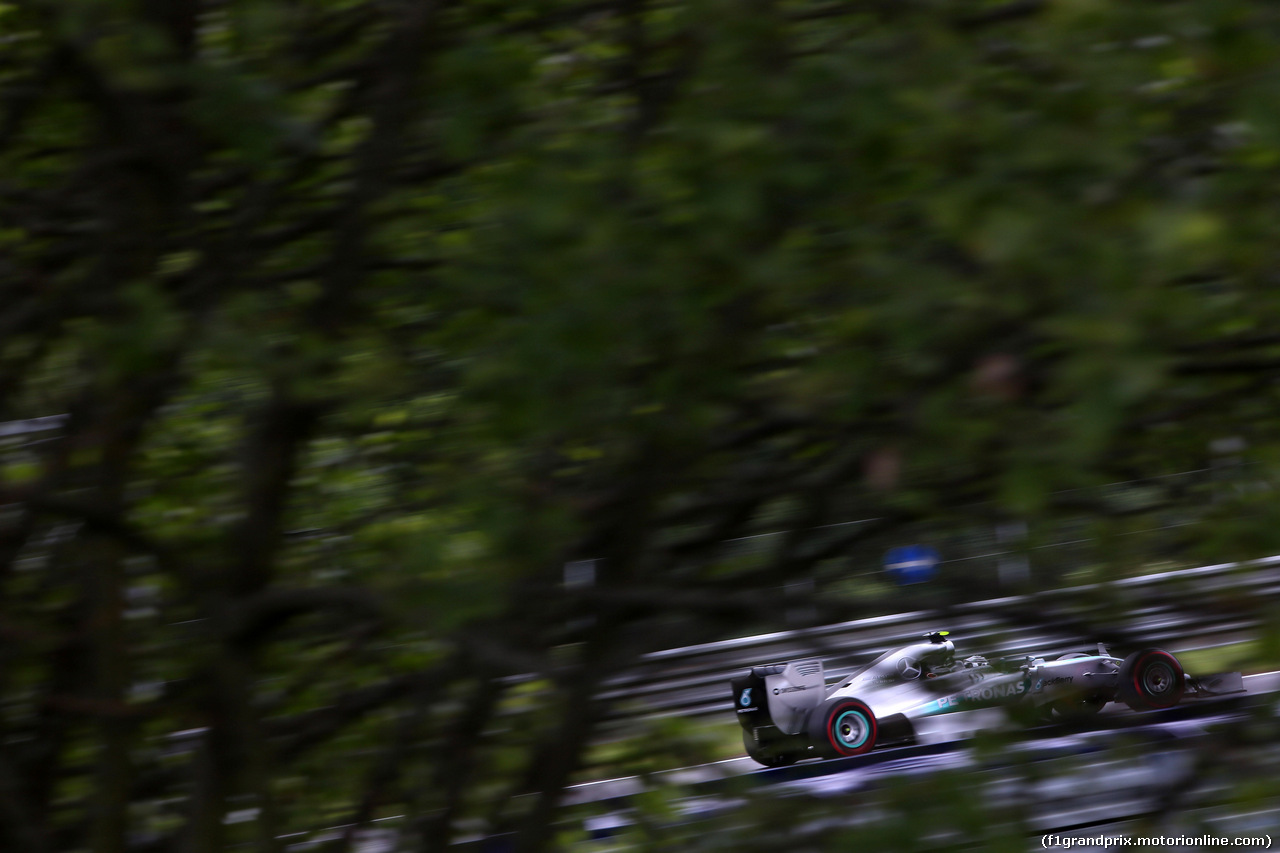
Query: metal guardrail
point(32, 425)
point(692, 681)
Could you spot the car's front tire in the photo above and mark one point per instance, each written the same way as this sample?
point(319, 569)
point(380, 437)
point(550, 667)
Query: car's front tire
point(841, 727)
point(1151, 679)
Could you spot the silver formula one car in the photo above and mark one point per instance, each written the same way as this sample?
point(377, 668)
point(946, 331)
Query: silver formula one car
point(788, 712)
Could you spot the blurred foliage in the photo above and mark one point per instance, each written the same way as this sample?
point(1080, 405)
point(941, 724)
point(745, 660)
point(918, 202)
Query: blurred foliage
point(1004, 795)
point(365, 318)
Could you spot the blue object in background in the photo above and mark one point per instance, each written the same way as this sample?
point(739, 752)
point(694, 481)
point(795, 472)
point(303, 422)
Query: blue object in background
point(911, 563)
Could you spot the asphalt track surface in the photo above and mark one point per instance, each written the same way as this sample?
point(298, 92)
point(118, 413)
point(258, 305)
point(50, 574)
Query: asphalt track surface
point(1088, 787)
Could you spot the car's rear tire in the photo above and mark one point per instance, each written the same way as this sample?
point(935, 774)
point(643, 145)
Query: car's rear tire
point(841, 727)
point(1151, 679)
point(764, 754)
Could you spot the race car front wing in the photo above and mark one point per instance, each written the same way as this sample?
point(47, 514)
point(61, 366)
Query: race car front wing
point(1221, 684)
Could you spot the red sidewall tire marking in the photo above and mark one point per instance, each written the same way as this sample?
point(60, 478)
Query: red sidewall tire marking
point(871, 721)
point(1175, 668)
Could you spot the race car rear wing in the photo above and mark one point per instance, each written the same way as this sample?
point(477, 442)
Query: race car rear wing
point(1221, 684)
point(780, 694)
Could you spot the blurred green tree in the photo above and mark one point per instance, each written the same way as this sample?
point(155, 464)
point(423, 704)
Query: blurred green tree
point(368, 317)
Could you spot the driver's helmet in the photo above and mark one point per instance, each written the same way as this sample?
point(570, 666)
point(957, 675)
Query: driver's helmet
point(942, 658)
point(941, 663)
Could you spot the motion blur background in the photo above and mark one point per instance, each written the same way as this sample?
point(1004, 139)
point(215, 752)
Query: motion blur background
point(382, 378)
